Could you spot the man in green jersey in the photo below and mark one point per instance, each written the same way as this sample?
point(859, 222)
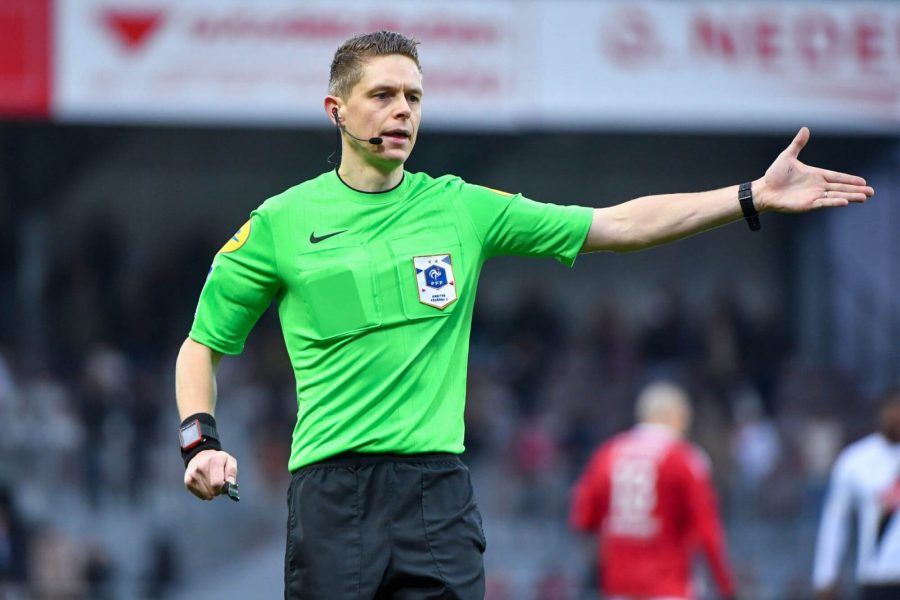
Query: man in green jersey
point(373, 270)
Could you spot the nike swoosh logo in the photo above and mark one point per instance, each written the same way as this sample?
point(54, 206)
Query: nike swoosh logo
point(315, 239)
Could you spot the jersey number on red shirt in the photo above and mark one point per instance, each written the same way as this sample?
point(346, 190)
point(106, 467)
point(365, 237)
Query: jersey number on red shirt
point(633, 498)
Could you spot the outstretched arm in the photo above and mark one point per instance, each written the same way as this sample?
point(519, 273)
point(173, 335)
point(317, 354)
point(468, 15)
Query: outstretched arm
point(788, 186)
point(195, 392)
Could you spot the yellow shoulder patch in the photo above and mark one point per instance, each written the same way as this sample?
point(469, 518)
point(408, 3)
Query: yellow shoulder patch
point(237, 240)
point(501, 192)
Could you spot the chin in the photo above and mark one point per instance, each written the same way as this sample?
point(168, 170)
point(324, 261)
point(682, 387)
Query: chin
point(391, 160)
point(394, 156)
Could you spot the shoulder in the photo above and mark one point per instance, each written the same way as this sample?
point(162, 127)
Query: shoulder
point(692, 457)
point(423, 182)
point(607, 449)
point(859, 453)
point(455, 183)
point(424, 179)
point(284, 200)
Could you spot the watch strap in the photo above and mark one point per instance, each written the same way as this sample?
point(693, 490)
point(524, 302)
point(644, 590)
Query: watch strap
point(745, 197)
point(208, 436)
point(205, 429)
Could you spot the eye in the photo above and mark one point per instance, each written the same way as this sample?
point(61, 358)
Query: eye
point(382, 96)
point(413, 98)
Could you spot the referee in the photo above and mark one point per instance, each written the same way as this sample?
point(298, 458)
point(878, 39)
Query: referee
point(373, 270)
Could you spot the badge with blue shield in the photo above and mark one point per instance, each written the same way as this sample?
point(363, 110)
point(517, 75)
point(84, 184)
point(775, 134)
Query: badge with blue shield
point(436, 283)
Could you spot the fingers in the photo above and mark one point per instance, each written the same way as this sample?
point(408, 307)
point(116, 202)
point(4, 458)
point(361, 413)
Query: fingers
point(849, 189)
point(846, 196)
point(833, 198)
point(830, 202)
point(207, 472)
point(852, 193)
point(230, 469)
point(799, 142)
point(196, 482)
point(846, 178)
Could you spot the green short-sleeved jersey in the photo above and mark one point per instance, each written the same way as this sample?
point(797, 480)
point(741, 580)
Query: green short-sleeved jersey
point(375, 293)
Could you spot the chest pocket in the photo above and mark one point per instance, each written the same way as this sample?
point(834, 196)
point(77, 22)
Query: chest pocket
point(338, 290)
point(429, 271)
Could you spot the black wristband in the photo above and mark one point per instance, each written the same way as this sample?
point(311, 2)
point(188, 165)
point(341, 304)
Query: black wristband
point(198, 433)
point(745, 197)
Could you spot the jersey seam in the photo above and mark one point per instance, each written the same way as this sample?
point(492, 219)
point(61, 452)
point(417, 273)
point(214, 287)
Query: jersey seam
point(502, 214)
point(215, 344)
point(472, 224)
point(358, 536)
point(265, 218)
point(584, 235)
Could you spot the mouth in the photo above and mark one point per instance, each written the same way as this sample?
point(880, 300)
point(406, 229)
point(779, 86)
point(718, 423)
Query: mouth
point(397, 135)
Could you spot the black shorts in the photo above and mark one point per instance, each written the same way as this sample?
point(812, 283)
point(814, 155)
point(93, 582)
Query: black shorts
point(364, 526)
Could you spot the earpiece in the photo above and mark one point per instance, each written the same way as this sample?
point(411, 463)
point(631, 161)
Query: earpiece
point(337, 121)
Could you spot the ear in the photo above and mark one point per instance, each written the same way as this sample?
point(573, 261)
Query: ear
point(333, 109)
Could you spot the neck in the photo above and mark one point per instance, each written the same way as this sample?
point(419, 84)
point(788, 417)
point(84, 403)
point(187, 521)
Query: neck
point(367, 177)
point(673, 425)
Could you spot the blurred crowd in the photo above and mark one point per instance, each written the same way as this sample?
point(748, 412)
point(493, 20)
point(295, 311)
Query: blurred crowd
point(90, 476)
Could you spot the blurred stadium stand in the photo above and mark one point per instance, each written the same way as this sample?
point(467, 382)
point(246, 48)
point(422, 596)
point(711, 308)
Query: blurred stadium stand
point(112, 256)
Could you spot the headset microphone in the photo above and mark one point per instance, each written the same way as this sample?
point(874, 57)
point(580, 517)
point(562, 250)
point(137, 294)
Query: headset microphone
point(375, 141)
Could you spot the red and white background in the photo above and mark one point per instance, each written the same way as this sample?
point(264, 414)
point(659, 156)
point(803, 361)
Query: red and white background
point(501, 64)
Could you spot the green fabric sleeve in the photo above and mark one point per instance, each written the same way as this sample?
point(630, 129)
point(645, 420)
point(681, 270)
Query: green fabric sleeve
point(241, 284)
point(510, 224)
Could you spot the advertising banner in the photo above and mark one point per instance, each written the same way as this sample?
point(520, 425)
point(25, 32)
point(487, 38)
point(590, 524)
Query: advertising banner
point(24, 58)
point(268, 62)
point(708, 65)
point(502, 64)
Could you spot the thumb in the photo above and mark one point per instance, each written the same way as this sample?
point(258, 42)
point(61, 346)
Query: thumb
point(799, 142)
point(231, 470)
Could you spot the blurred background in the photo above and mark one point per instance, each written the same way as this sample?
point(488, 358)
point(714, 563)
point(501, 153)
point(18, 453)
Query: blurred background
point(137, 135)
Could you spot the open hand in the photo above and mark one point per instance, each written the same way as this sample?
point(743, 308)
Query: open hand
point(791, 186)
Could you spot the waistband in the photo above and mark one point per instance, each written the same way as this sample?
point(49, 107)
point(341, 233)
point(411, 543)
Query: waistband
point(352, 459)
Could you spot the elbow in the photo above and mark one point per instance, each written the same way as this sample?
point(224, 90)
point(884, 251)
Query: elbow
point(192, 350)
point(624, 242)
point(627, 247)
point(613, 231)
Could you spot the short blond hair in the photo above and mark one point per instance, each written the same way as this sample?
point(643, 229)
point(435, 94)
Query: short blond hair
point(661, 400)
point(349, 59)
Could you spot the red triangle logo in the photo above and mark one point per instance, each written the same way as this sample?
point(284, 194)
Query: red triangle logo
point(132, 28)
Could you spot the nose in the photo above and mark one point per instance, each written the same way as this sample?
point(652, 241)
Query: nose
point(402, 109)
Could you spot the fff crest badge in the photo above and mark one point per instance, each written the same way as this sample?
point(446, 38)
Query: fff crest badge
point(436, 283)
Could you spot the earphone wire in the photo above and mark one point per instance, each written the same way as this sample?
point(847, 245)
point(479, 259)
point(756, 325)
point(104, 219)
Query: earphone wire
point(333, 152)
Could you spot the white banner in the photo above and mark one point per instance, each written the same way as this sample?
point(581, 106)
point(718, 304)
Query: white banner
point(703, 65)
point(504, 64)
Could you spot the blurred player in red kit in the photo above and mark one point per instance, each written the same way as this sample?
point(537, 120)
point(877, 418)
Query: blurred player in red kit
point(647, 493)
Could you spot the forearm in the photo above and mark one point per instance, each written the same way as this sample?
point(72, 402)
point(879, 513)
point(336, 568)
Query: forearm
point(195, 378)
point(653, 220)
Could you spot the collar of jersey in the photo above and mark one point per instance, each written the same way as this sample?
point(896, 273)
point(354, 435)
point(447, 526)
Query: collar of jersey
point(385, 197)
point(658, 429)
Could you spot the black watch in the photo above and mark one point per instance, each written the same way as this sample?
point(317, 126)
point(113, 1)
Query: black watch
point(198, 433)
point(193, 432)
